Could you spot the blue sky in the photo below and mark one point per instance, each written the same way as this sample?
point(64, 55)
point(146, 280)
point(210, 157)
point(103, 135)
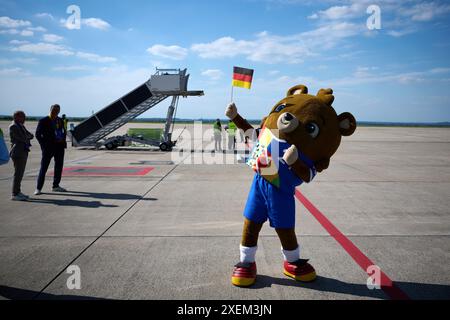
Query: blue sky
point(400, 72)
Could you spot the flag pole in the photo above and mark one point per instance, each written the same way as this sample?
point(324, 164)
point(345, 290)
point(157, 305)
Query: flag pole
point(231, 93)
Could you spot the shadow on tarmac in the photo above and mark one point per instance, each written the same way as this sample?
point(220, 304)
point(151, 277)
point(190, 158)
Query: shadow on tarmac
point(72, 203)
point(23, 294)
point(101, 195)
point(418, 291)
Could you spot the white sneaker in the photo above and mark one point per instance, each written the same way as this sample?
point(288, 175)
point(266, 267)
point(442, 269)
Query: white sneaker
point(59, 189)
point(37, 192)
point(19, 197)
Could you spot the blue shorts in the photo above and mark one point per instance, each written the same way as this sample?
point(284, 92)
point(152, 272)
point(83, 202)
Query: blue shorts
point(266, 201)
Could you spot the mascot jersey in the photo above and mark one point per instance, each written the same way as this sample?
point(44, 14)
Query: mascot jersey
point(273, 187)
point(267, 161)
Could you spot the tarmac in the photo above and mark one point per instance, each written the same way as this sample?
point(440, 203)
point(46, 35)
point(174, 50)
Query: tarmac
point(174, 232)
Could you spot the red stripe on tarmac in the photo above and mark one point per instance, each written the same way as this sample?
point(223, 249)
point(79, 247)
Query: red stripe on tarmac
point(360, 258)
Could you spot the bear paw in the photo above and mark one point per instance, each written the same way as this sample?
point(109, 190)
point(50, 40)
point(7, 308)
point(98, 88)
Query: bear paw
point(231, 111)
point(291, 155)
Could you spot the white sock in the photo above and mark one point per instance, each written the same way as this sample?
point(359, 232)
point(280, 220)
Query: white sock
point(291, 255)
point(247, 254)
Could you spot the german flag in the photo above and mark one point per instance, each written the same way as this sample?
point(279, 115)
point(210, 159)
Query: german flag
point(242, 77)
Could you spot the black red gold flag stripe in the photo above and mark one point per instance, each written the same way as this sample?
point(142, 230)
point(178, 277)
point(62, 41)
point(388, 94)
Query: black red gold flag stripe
point(242, 77)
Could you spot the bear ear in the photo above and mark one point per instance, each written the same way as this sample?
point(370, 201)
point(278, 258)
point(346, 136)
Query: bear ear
point(326, 95)
point(298, 89)
point(322, 164)
point(347, 123)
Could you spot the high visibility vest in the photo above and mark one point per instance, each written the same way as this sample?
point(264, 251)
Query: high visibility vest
point(231, 129)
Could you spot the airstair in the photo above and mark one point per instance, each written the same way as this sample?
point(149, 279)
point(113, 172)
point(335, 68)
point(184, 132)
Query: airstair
point(163, 84)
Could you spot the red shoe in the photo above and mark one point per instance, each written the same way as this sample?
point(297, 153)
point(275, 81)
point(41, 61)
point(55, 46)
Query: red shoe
point(300, 270)
point(244, 274)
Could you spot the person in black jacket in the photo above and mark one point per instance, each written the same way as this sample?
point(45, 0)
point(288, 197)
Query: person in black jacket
point(51, 135)
point(20, 147)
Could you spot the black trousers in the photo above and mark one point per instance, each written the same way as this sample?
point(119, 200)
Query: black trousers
point(47, 155)
point(19, 169)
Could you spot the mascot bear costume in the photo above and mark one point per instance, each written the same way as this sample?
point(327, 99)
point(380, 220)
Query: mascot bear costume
point(296, 141)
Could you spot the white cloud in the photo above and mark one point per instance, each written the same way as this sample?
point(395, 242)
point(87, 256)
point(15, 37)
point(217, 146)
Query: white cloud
point(271, 49)
point(358, 78)
point(44, 48)
point(26, 60)
point(439, 70)
point(330, 35)
point(367, 75)
point(70, 68)
point(96, 23)
point(11, 27)
point(7, 22)
point(13, 72)
point(213, 74)
point(425, 11)
point(170, 52)
point(37, 29)
point(18, 42)
point(223, 47)
point(362, 72)
point(362, 75)
point(52, 38)
point(45, 15)
point(400, 33)
point(10, 31)
point(319, 67)
point(341, 12)
point(18, 60)
point(95, 57)
point(265, 48)
point(27, 33)
point(399, 18)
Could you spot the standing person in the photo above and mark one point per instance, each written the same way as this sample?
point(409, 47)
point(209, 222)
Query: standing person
point(65, 121)
point(241, 134)
point(20, 146)
point(231, 135)
point(51, 135)
point(217, 135)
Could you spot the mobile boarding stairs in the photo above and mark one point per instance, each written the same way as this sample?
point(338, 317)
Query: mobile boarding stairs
point(163, 84)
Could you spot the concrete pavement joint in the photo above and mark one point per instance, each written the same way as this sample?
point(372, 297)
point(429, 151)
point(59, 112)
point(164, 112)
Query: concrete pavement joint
point(97, 238)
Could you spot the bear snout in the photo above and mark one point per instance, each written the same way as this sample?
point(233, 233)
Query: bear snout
point(287, 122)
